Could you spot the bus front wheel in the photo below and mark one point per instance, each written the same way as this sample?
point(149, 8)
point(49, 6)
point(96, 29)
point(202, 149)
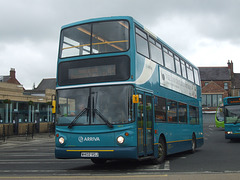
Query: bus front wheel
point(162, 152)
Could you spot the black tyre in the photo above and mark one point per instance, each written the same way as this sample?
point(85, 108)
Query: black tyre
point(162, 152)
point(194, 144)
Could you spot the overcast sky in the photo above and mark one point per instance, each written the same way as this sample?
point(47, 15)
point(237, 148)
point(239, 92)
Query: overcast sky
point(206, 32)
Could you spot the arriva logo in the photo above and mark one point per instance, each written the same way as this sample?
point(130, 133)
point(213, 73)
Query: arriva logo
point(88, 139)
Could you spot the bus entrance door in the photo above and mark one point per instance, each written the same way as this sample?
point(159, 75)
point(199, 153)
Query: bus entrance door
point(145, 124)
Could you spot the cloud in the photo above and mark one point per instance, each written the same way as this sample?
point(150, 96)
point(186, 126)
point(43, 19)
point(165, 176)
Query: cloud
point(32, 61)
point(206, 32)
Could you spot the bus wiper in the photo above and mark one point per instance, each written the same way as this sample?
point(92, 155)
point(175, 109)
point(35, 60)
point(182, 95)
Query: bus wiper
point(76, 118)
point(103, 118)
point(238, 118)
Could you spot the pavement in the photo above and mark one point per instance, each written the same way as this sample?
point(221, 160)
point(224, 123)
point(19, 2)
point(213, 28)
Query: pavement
point(20, 139)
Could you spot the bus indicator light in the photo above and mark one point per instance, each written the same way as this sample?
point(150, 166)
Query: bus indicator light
point(135, 98)
point(53, 106)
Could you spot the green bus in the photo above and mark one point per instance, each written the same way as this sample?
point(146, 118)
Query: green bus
point(219, 116)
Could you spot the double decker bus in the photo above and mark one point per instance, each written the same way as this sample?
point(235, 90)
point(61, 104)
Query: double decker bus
point(123, 93)
point(232, 117)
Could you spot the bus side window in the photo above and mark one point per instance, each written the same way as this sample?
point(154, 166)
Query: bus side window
point(196, 76)
point(177, 63)
point(182, 112)
point(160, 109)
point(172, 111)
point(142, 43)
point(183, 66)
point(194, 114)
point(190, 73)
point(156, 51)
point(168, 59)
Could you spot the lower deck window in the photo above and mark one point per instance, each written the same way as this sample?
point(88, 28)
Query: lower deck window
point(160, 109)
point(172, 111)
point(193, 115)
point(182, 113)
point(175, 112)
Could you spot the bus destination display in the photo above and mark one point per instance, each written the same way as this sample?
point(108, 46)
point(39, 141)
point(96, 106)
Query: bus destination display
point(233, 101)
point(91, 72)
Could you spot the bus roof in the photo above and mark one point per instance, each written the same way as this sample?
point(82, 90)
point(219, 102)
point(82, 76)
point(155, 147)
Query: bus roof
point(98, 19)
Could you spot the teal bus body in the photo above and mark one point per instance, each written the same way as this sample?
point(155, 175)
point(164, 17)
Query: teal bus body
point(232, 117)
point(135, 97)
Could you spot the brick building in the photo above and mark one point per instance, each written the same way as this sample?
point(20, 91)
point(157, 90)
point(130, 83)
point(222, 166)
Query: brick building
point(11, 78)
point(218, 83)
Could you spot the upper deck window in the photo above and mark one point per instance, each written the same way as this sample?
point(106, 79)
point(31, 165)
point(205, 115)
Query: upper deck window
point(190, 72)
point(183, 66)
point(196, 75)
point(95, 38)
point(156, 51)
point(142, 43)
point(177, 62)
point(169, 61)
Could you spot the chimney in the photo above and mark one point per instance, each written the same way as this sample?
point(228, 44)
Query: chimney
point(230, 67)
point(12, 73)
point(12, 78)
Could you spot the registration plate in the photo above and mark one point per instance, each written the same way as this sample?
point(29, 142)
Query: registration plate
point(89, 154)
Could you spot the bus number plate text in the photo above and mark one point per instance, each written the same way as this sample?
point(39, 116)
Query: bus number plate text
point(89, 154)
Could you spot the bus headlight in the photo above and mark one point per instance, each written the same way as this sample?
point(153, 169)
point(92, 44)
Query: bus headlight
point(229, 132)
point(120, 139)
point(61, 140)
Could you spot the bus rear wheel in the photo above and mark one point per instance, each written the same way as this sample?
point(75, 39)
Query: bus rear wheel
point(98, 161)
point(194, 144)
point(162, 152)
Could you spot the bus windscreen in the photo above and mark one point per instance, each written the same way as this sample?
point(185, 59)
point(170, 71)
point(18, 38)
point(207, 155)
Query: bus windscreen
point(94, 38)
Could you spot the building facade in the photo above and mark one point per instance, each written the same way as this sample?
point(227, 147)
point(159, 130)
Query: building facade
point(20, 109)
point(218, 83)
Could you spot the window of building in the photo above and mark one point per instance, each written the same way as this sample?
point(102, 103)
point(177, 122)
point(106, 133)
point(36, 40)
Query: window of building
point(204, 100)
point(214, 100)
point(211, 100)
point(2, 107)
point(226, 86)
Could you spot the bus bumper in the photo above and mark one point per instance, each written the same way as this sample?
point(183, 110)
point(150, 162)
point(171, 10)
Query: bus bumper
point(94, 152)
point(232, 136)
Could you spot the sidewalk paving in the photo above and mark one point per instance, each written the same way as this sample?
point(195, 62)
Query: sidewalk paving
point(19, 139)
